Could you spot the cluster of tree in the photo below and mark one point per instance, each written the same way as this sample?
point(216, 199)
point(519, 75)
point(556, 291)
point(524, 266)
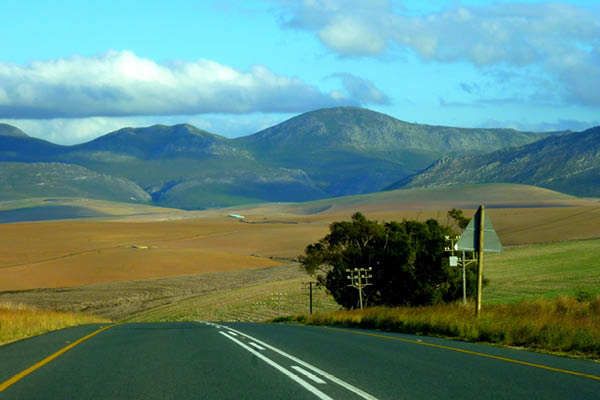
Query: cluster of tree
point(408, 259)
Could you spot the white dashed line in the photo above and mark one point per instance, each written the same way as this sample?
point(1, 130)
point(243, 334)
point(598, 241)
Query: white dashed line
point(255, 345)
point(313, 377)
point(306, 365)
point(281, 369)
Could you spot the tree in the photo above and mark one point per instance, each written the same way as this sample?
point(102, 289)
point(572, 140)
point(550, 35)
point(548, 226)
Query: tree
point(461, 220)
point(410, 265)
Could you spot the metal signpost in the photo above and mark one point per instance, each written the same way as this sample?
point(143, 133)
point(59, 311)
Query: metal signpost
point(480, 236)
point(359, 278)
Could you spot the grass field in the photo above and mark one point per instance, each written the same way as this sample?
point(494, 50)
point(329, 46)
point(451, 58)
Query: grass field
point(548, 269)
point(252, 303)
point(18, 321)
point(522, 272)
point(215, 267)
point(75, 253)
point(563, 324)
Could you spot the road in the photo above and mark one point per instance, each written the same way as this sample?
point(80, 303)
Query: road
point(273, 361)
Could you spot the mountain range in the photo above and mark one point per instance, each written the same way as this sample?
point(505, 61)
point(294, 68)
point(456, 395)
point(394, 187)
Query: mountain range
point(567, 163)
point(320, 154)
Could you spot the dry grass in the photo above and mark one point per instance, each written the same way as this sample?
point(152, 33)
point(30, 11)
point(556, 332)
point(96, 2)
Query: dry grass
point(18, 321)
point(562, 324)
point(75, 253)
point(252, 303)
point(118, 300)
point(216, 268)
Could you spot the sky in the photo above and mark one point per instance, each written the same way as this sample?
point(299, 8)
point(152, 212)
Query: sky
point(71, 71)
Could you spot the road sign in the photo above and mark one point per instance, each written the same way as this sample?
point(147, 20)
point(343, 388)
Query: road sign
point(469, 240)
point(479, 236)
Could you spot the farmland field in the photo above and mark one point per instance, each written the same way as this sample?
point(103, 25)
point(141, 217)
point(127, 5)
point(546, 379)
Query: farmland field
point(134, 260)
point(548, 269)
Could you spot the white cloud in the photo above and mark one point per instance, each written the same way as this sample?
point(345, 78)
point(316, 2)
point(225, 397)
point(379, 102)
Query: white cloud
point(352, 36)
point(563, 39)
point(68, 131)
point(364, 89)
point(123, 84)
point(558, 125)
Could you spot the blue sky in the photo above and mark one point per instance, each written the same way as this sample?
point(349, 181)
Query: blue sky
point(71, 71)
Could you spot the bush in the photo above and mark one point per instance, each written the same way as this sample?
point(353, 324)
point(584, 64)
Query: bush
point(583, 295)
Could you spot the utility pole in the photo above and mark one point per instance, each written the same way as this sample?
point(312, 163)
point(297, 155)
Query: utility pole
point(359, 278)
point(277, 297)
point(480, 260)
point(463, 263)
point(309, 284)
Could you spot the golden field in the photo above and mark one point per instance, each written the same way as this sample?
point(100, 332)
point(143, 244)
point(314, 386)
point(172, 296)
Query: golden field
point(18, 321)
point(139, 259)
point(83, 252)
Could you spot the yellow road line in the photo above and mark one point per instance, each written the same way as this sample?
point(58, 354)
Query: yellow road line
point(439, 346)
point(21, 375)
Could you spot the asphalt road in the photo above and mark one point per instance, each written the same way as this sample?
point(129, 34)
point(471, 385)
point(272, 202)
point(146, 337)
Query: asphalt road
point(270, 361)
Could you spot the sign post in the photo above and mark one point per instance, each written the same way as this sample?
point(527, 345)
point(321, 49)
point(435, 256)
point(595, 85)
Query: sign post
point(480, 236)
point(481, 213)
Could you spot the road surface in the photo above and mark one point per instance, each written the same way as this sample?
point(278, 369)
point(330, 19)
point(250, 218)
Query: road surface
point(274, 361)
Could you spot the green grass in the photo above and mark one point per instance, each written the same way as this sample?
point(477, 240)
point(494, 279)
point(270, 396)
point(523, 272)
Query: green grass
point(542, 270)
point(543, 297)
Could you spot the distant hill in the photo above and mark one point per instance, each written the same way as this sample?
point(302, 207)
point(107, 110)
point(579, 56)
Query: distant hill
point(350, 150)
point(160, 142)
point(185, 167)
point(434, 198)
point(17, 146)
point(364, 131)
point(29, 180)
point(9, 130)
point(568, 163)
point(320, 154)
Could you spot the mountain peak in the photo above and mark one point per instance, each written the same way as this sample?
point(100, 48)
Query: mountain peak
point(9, 130)
point(158, 141)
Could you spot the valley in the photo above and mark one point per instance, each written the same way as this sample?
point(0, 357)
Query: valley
point(142, 257)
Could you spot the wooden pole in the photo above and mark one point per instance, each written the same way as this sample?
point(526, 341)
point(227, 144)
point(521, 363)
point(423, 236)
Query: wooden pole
point(481, 212)
point(310, 284)
point(464, 276)
point(360, 288)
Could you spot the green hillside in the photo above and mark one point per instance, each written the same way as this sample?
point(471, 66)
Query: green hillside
point(30, 180)
point(568, 163)
point(9, 130)
point(350, 150)
point(321, 154)
point(22, 148)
